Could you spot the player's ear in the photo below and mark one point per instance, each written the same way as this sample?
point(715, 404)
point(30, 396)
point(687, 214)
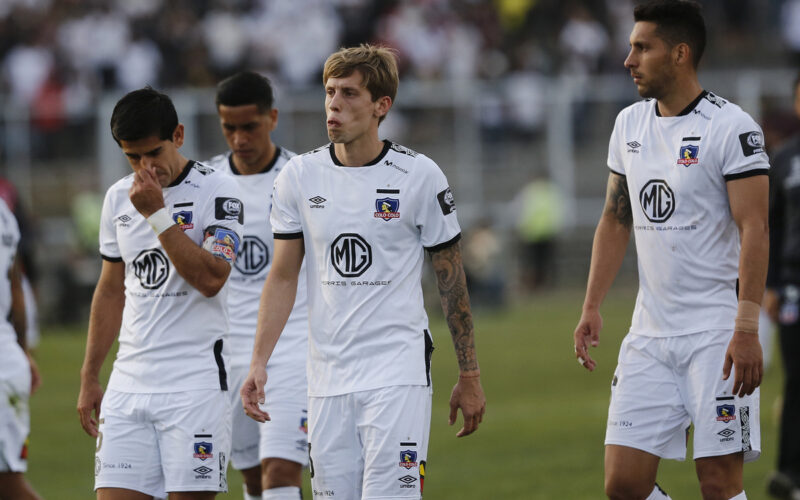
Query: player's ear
point(177, 135)
point(273, 118)
point(382, 106)
point(682, 54)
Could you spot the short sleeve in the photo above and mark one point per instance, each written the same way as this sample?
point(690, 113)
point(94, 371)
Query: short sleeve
point(285, 215)
point(437, 216)
point(744, 154)
point(109, 246)
point(614, 161)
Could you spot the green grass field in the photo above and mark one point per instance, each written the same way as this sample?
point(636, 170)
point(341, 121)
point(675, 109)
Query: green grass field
point(542, 437)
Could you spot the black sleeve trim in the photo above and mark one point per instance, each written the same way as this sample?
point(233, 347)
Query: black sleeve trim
point(446, 244)
point(615, 172)
point(748, 173)
point(111, 259)
point(287, 236)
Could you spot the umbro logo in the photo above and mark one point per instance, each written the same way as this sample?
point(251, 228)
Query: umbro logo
point(727, 432)
point(123, 218)
point(407, 479)
point(317, 202)
point(633, 147)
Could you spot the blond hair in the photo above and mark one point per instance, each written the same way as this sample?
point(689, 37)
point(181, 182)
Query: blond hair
point(377, 65)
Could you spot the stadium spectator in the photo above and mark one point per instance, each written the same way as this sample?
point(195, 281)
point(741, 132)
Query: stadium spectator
point(169, 234)
point(19, 376)
point(363, 212)
point(271, 456)
point(688, 174)
point(783, 302)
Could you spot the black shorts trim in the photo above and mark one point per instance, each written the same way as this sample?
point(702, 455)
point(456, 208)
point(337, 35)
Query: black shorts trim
point(428, 354)
point(287, 236)
point(111, 259)
point(446, 244)
point(748, 173)
point(223, 375)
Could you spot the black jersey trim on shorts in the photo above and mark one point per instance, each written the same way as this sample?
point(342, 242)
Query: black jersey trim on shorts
point(183, 174)
point(111, 259)
point(748, 173)
point(428, 354)
point(266, 169)
point(223, 375)
point(386, 147)
point(287, 236)
point(688, 109)
point(446, 244)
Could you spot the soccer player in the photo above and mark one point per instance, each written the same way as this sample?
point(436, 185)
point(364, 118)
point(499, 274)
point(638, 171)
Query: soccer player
point(782, 301)
point(363, 212)
point(688, 175)
point(19, 377)
point(169, 234)
point(270, 455)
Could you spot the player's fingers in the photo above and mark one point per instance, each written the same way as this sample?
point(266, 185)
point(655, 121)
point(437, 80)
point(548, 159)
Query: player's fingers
point(726, 367)
point(453, 414)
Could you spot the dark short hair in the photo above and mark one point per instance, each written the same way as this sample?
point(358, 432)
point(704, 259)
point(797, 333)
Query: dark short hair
point(143, 113)
point(677, 21)
point(246, 87)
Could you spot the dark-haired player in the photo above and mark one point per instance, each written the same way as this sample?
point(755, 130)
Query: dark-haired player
point(688, 175)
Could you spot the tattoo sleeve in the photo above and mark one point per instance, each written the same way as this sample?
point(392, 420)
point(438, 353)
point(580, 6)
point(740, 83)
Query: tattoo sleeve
point(618, 200)
point(453, 293)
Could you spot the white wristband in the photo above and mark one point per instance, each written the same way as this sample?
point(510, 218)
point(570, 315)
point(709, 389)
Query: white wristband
point(160, 221)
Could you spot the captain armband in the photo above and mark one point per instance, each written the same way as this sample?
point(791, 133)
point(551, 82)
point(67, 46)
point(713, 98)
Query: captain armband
point(221, 242)
point(747, 317)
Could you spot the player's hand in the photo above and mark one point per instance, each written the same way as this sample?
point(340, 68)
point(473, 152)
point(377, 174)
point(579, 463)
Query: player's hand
point(145, 192)
point(587, 333)
point(467, 395)
point(36, 379)
point(772, 304)
point(744, 354)
point(89, 399)
point(252, 394)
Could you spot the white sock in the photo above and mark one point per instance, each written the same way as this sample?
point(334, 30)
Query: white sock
point(658, 494)
point(740, 496)
point(282, 493)
point(248, 496)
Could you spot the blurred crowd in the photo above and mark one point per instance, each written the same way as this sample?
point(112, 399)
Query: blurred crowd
point(58, 55)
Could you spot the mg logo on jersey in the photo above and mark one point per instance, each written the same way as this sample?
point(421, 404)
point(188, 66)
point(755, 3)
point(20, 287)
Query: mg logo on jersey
point(253, 256)
point(657, 200)
point(151, 267)
point(351, 255)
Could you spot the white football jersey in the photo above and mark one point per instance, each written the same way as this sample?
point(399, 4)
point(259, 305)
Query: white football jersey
point(9, 238)
point(365, 232)
point(687, 242)
point(253, 264)
point(172, 337)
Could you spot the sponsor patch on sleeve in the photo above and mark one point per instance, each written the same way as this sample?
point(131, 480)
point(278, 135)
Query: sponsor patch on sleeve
point(446, 201)
point(228, 209)
point(222, 242)
point(752, 143)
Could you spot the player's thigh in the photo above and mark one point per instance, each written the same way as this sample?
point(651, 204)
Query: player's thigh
point(394, 426)
point(646, 411)
point(194, 436)
point(629, 473)
point(15, 384)
point(721, 474)
point(245, 433)
point(126, 453)
point(335, 464)
point(14, 487)
point(121, 494)
point(285, 435)
point(724, 424)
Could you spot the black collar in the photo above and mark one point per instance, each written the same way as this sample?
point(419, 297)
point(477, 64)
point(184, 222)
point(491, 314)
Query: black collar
point(183, 174)
point(386, 145)
point(688, 109)
point(266, 169)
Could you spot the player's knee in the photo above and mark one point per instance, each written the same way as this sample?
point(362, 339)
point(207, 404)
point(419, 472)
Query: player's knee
point(716, 488)
point(621, 487)
point(277, 472)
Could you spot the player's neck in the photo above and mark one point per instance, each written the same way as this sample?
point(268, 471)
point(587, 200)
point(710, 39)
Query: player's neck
point(258, 165)
point(682, 95)
point(359, 152)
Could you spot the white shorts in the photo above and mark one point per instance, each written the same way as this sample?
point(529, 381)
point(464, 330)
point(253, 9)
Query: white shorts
point(162, 442)
point(285, 436)
point(15, 389)
point(370, 444)
point(662, 385)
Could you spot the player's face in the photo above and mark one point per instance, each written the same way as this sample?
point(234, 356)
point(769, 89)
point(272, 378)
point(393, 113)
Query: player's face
point(247, 132)
point(350, 110)
point(650, 61)
point(161, 156)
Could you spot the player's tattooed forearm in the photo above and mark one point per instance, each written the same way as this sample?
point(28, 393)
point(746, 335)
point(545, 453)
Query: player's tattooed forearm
point(452, 285)
point(618, 200)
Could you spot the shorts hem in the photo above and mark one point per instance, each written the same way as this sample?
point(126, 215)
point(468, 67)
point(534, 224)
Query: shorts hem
point(646, 449)
point(181, 489)
point(749, 456)
point(247, 465)
point(12, 470)
point(146, 491)
point(303, 463)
